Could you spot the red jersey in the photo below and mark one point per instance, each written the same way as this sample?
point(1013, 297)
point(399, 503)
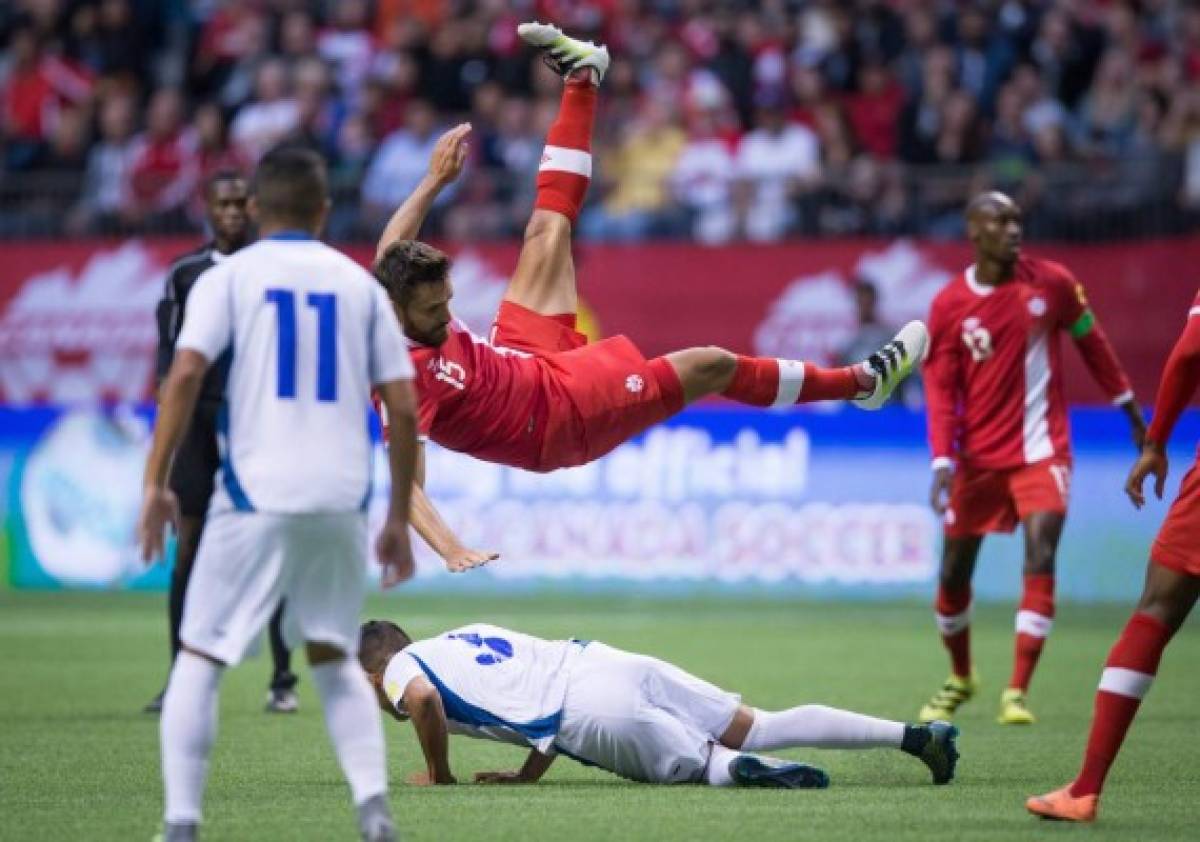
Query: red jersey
point(994, 372)
point(480, 399)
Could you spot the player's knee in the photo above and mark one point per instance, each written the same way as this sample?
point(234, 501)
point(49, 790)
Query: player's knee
point(715, 367)
point(323, 653)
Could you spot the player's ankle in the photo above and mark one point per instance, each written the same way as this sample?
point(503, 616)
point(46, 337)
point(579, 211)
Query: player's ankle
point(865, 378)
point(583, 76)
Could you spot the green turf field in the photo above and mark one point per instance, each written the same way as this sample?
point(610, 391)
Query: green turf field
point(78, 761)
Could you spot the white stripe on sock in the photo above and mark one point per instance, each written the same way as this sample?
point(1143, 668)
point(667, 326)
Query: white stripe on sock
point(1125, 682)
point(953, 623)
point(1034, 624)
point(562, 159)
point(791, 380)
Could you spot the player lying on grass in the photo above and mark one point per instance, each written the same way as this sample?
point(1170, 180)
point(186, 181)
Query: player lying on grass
point(632, 715)
point(1170, 593)
point(535, 394)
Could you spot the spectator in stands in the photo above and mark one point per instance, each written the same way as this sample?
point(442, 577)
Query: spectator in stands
point(874, 109)
point(107, 173)
point(779, 163)
point(164, 164)
point(635, 202)
point(271, 116)
point(35, 87)
point(702, 180)
point(1105, 119)
point(400, 164)
point(347, 45)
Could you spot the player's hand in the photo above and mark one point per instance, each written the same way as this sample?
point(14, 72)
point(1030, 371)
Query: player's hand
point(939, 492)
point(1151, 461)
point(449, 155)
point(395, 553)
point(462, 559)
point(426, 779)
point(160, 507)
point(513, 776)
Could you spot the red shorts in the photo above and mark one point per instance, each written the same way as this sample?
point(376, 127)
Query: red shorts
point(601, 394)
point(983, 501)
point(1177, 544)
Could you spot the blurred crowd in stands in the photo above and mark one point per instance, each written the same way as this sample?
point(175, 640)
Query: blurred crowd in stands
point(719, 120)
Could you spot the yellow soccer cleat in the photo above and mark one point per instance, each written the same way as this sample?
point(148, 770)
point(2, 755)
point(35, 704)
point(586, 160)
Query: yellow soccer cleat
point(1013, 710)
point(1062, 806)
point(946, 701)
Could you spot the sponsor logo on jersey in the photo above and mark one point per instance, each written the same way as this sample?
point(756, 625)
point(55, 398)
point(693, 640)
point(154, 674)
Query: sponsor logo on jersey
point(1037, 306)
point(634, 383)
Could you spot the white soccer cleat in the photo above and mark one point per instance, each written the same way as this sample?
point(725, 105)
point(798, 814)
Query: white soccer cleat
point(893, 362)
point(564, 54)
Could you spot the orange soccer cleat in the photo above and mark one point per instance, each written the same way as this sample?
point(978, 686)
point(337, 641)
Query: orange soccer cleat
point(1061, 805)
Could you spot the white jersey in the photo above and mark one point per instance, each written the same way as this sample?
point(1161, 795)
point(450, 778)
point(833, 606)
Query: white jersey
point(495, 683)
point(309, 332)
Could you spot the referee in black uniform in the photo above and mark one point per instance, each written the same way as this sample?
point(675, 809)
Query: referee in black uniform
point(197, 460)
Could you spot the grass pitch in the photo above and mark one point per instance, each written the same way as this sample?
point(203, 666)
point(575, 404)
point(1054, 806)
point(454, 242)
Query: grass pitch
point(79, 761)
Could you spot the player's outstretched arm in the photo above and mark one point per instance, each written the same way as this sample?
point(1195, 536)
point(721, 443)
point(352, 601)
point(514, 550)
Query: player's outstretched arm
point(424, 706)
point(393, 546)
point(178, 401)
point(435, 532)
point(445, 164)
point(536, 765)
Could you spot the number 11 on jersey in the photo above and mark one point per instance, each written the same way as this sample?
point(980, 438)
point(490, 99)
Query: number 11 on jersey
point(325, 304)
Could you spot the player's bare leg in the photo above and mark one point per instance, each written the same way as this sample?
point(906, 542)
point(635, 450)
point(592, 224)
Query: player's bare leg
point(953, 614)
point(817, 726)
point(1167, 599)
point(544, 280)
point(1035, 616)
point(766, 381)
point(356, 730)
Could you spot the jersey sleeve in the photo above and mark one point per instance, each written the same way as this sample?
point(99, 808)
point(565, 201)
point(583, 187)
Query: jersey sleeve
point(208, 323)
point(943, 385)
point(389, 358)
point(167, 315)
point(1090, 338)
point(1179, 380)
point(400, 672)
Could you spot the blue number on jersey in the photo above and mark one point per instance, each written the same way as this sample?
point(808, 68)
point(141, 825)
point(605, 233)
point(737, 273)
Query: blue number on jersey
point(500, 650)
point(325, 303)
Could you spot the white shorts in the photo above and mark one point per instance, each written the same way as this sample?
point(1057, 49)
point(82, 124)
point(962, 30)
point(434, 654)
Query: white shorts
point(641, 718)
point(248, 561)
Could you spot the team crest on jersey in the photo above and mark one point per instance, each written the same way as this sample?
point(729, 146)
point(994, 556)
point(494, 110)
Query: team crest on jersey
point(977, 338)
point(634, 383)
point(1037, 306)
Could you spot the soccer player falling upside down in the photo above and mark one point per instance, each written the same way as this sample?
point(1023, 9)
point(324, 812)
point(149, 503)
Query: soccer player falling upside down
point(536, 395)
point(999, 433)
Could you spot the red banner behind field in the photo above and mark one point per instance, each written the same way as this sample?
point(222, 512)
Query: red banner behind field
point(76, 319)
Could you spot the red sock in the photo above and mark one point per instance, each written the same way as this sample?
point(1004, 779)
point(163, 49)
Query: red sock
point(1035, 618)
point(566, 166)
point(953, 612)
point(1127, 677)
point(765, 381)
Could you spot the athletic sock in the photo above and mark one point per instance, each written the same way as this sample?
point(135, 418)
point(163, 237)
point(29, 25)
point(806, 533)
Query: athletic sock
point(1128, 674)
point(719, 758)
point(1035, 618)
point(953, 614)
point(817, 726)
point(766, 381)
point(187, 729)
point(566, 166)
point(354, 725)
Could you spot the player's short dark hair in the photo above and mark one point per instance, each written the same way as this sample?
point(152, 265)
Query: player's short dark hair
point(222, 176)
point(378, 641)
point(291, 187)
point(406, 264)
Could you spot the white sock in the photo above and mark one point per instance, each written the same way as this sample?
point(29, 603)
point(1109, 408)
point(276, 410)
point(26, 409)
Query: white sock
point(817, 726)
point(187, 728)
point(717, 773)
point(355, 727)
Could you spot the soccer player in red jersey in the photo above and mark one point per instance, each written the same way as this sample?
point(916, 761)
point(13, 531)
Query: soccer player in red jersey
point(535, 394)
point(1172, 585)
point(999, 432)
